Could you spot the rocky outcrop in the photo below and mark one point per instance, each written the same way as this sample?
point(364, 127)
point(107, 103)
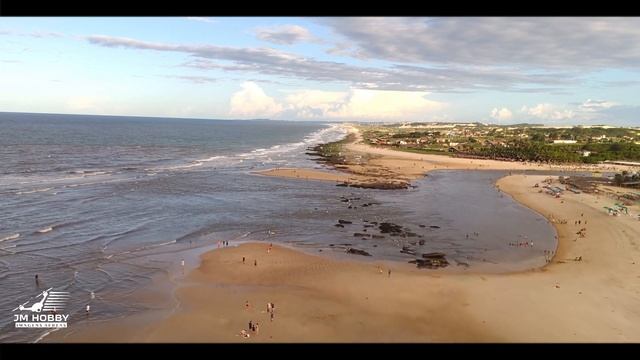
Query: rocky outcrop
point(432, 260)
point(361, 235)
point(357, 252)
point(389, 228)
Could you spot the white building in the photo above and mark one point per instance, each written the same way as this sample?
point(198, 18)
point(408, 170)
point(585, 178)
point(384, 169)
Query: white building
point(565, 141)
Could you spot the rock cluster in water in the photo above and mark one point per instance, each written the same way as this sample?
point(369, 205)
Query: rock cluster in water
point(432, 260)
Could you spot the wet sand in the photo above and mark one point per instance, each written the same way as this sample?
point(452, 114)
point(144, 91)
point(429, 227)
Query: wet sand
point(319, 299)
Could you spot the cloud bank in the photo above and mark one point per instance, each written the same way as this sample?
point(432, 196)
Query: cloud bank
point(355, 104)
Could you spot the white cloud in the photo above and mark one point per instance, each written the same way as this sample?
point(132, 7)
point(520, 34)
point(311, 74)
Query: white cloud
point(285, 34)
point(548, 112)
point(355, 104)
point(251, 101)
point(501, 114)
point(596, 105)
point(367, 104)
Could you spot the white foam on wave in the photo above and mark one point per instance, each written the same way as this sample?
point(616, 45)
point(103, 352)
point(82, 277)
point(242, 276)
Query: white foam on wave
point(194, 163)
point(10, 237)
point(33, 191)
point(332, 133)
point(45, 334)
point(95, 173)
point(45, 230)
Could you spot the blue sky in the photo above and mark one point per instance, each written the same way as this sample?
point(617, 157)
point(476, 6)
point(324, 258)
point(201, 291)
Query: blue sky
point(501, 70)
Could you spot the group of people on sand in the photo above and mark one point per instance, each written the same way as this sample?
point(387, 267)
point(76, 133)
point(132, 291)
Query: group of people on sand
point(224, 243)
point(255, 327)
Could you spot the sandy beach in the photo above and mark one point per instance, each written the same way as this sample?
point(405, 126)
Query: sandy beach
point(319, 299)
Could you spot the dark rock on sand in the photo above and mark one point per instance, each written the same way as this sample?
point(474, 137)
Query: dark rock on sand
point(421, 242)
point(339, 225)
point(408, 250)
point(434, 255)
point(434, 227)
point(357, 252)
point(381, 185)
point(422, 225)
point(344, 221)
point(361, 235)
point(387, 228)
point(430, 263)
point(377, 236)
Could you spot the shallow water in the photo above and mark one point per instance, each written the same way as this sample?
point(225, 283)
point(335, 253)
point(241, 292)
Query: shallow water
point(103, 204)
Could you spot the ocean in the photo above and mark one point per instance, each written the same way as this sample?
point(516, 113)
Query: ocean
point(99, 205)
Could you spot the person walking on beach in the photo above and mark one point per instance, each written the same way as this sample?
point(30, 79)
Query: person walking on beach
point(256, 328)
point(246, 305)
point(88, 309)
point(37, 282)
point(389, 272)
point(243, 259)
point(268, 307)
point(250, 325)
point(272, 316)
point(182, 263)
point(255, 262)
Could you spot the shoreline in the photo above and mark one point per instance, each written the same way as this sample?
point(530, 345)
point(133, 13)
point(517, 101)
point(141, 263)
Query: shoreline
point(320, 299)
point(376, 167)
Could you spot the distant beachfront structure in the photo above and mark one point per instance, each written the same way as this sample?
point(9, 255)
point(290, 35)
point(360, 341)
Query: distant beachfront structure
point(565, 141)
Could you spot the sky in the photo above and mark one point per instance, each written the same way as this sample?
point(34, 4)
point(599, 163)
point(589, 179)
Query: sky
point(555, 71)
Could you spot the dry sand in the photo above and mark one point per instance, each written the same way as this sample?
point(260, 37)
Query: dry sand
point(319, 299)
